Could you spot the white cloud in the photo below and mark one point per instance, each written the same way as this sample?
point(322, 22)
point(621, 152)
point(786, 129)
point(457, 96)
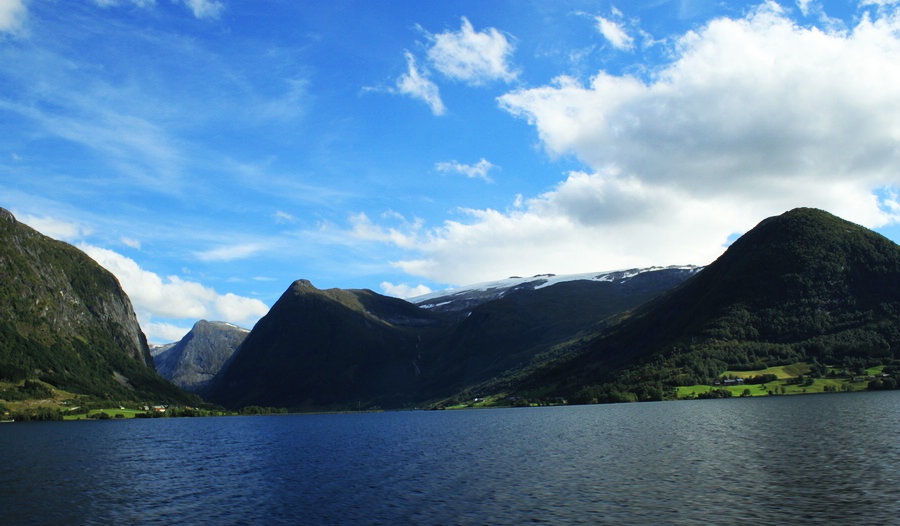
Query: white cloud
point(165, 332)
point(138, 3)
point(284, 217)
point(614, 33)
point(173, 297)
point(472, 57)
point(12, 15)
point(402, 290)
point(55, 228)
point(418, 86)
point(131, 242)
point(752, 117)
point(478, 170)
point(205, 8)
point(230, 252)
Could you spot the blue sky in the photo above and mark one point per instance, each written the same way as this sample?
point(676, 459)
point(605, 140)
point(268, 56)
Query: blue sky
point(210, 152)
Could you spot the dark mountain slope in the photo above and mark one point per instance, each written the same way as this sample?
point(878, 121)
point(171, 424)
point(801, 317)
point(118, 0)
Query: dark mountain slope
point(330, 349)
point(319, 349)
point(194, 360)
point(801, 286)
point(65, 320)
point(509, 331)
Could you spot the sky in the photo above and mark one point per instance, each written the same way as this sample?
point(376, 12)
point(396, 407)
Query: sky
point(211, 152)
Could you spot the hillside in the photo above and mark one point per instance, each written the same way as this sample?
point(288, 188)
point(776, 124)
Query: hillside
point(340, 349)
point(65, 320)
point(326, 349)
point(526, 319)
point(803, 286)
point(193, 361)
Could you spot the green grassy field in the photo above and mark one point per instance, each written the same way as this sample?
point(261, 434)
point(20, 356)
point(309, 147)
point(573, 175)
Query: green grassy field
point(781, 385)
point(113, 413)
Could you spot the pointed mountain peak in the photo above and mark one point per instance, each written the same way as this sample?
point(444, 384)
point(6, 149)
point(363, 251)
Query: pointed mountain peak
point(6, 215)
point(303, 285)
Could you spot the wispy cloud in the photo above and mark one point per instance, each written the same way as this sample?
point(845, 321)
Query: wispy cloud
point(284, 217)
point(205, 8)
point(615, 33)
point(138, 3)
point(12, 15)
point(478, 170)
point(200, 8)
point(131, 242)
point(417, 85)
point(230, 252)
point(473, 57)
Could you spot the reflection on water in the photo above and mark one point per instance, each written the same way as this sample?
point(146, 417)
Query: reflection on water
point(812, 459)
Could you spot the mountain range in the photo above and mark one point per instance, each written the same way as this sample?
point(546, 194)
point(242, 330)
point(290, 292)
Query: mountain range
point(339, 349)
point(804, 286)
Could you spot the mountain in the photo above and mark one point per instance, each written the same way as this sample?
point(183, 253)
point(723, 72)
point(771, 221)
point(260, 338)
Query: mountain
point(464, 299)
point(320, 349)
point(65, 320)
point(802, 286)
point(194, 360)
point(341, 349)
point(513, 321)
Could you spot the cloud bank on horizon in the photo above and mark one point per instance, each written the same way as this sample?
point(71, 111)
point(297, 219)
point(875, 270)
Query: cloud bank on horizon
point(407, 149)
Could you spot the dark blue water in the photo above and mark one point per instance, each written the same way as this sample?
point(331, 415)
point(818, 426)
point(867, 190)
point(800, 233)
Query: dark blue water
point(829, 459)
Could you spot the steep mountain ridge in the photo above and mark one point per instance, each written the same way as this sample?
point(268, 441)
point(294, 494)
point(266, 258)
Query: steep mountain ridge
point(65, 320)
point(464, 299)
point(193, 361)
point(326, 349)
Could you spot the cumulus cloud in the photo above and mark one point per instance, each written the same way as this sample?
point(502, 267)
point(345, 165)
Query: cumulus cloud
point(12, 15)
point(753, 116)
point(478, 170)
point(614, 33)
point(471, 56)
point(172, 297)
point(402, 290)
point(165, 332)
point(55, 228)
point(417, 85)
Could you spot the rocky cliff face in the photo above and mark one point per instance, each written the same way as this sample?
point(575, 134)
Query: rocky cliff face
point(53, 288)
point(194, 360)
point(65, 319)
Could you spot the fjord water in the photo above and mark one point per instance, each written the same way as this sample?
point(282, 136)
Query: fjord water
point(831, 459)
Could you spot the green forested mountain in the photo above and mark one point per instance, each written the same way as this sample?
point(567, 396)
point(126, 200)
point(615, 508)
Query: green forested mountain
point(65, 320)
point(803, 286)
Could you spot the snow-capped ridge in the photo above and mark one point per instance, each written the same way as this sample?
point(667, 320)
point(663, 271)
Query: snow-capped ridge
point(489, 290)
